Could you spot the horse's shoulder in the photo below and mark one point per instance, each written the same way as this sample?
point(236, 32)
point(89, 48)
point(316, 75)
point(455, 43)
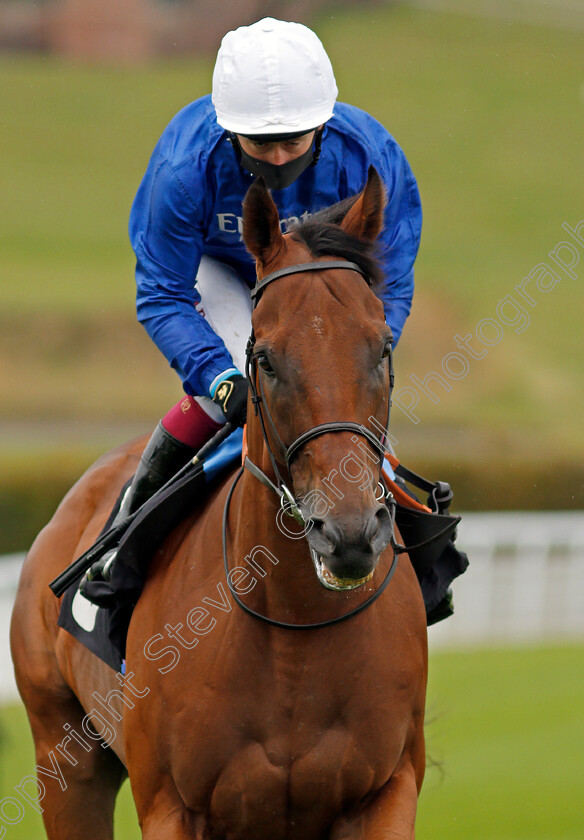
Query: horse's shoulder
point(111, 469)
point(130, 450)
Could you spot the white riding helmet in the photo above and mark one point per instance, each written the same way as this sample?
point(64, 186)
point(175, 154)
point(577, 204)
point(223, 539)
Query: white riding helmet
point(273, 77)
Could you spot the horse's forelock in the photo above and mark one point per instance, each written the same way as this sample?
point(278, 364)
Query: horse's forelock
point(324, 238)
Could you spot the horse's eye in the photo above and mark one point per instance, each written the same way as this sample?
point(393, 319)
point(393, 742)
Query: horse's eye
point(386, 350)
point(264, 364)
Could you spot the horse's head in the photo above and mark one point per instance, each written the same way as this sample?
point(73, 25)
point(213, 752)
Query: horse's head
point(321, 355)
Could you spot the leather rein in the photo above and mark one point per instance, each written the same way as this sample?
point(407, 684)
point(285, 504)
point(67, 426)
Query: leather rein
point(287, 500)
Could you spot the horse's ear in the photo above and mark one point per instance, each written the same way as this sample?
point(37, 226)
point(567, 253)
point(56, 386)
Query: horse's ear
point(365, 218)
point(261, 224)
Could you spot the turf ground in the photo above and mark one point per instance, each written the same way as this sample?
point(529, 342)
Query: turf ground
point(505, 732)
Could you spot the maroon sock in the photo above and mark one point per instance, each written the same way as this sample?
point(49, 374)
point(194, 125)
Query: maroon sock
point(189, 423)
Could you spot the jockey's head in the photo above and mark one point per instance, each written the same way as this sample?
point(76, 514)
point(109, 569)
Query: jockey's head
point(273, 90)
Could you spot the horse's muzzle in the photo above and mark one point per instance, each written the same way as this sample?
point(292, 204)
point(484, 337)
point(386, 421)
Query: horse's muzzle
point(345, 550)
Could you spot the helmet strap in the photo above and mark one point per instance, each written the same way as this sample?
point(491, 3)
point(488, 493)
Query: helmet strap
point(317, 145)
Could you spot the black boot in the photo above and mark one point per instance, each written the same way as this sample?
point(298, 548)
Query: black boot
point(162, 458)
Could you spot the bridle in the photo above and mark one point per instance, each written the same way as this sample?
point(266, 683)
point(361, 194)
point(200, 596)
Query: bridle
point(258, 400)
point(287, 500)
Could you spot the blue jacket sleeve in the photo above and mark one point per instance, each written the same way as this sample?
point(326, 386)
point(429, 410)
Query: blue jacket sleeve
point(167, 236)
point(400, 238)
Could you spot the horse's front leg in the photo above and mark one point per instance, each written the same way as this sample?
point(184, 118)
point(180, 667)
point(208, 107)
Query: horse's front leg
point(391, 814)
point(161, 811)
point(179, 824)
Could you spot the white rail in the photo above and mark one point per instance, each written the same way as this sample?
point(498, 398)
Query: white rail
point(525, 583)
point(9, 571)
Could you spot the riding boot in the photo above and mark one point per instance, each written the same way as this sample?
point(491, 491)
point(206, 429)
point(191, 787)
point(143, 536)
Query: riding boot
point(162, 458)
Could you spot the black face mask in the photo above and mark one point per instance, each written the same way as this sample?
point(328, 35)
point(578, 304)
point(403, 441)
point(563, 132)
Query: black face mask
point(278, 176)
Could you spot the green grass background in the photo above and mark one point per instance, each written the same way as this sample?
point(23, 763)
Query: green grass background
point(505, 734)
point(491, 116)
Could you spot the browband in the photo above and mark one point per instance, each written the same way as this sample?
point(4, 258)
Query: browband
point(297, 269)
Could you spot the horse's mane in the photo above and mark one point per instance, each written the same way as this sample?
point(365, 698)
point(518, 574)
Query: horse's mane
point(323, 236)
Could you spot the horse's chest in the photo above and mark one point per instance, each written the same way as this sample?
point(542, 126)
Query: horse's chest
point(280, 734)
point(281, 754)
point(293, 784)
point(267, 784)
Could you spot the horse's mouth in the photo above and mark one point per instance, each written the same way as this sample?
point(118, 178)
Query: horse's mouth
point(331, 581)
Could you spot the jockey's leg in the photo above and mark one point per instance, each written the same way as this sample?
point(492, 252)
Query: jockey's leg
point(226, 304)
point(174, 442)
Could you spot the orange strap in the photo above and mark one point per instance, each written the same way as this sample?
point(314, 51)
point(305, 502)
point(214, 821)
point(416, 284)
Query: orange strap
point(244, 444)
point(399, 494)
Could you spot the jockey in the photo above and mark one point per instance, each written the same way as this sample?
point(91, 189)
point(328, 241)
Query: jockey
point(272, 112)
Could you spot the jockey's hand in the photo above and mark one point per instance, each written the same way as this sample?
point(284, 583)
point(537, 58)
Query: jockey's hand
point(231, 397)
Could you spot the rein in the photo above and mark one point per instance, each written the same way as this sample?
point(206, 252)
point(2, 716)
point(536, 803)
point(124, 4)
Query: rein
point(285, 625)
point(287, 500)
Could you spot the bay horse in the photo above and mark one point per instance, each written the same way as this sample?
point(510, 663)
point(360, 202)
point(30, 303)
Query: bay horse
point(290, 723)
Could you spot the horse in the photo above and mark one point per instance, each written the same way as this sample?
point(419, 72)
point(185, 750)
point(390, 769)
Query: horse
point(274, 683)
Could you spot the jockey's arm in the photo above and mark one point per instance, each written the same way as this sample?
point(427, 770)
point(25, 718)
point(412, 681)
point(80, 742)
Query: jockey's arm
point(400, 238)
point(168, 245)
point(397, 303)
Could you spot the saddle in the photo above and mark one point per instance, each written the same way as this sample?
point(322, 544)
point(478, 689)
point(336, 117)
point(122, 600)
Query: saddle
point(428, 532)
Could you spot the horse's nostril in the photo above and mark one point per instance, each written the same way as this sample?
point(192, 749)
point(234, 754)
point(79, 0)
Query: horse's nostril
point(317, 524)
point(331, 537)
point(382, 516)
point(380, 526)
point(325, 535)
point(373, 526)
